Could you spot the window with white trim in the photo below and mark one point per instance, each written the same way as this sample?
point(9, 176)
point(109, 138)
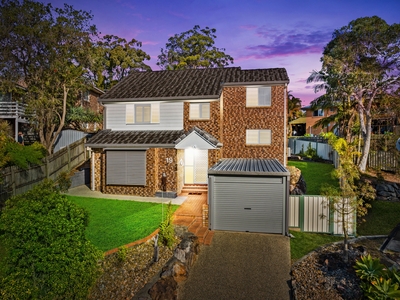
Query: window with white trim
point(86, 96)
point(258, 136)
point(142, 113)
point(199, 111)
point(258, 96)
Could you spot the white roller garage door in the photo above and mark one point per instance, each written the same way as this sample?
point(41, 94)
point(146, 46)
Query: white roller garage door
point(246, 203)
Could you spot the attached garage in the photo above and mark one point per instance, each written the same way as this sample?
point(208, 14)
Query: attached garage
point(248, 195)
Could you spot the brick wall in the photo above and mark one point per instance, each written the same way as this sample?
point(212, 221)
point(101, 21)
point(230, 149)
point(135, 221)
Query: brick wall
point(237, 118)
point(211, 125)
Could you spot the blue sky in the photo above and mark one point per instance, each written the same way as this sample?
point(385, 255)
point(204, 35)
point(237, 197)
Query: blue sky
point(256, 33)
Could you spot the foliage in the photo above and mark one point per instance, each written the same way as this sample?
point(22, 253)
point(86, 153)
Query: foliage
point(311, 153)
point(114, 58)
point(63, 182)
point(122, 253)
point(378, 282)
point(166, 233)
point(359, 66)
point(12, 153)
point(77, 116)
point(193, 49)
point(294, 107)
point(48, 255)
point(49, 49)
point(366, 193)
point(114, 223)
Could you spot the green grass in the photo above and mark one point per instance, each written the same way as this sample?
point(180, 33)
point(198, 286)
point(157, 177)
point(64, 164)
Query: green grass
point(113, 223)
point(381, 218)
point(315, 174)
point(305, 242)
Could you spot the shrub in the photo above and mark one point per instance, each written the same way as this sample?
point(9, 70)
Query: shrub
point(122, 253)
point(166, 233)
point(48, 255)
point(63, 182)
point(378, 282)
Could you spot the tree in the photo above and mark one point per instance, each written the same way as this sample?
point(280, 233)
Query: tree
point(344, 201)
point(47, 253)
point(49, 49)
point(294, 107)
point(77, 116)
point(193, 49)
point(363, 58)
point(114, 58)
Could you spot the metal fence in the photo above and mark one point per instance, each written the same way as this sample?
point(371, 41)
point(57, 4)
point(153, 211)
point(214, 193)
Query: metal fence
point(17, 181)
point(313, 214)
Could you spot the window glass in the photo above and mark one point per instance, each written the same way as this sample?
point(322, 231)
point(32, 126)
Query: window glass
point(258, 96)
point(258, 137)
point(199, 111)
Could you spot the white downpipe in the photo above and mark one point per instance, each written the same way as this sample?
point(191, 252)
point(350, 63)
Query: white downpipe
point(92, 165)
point(285, 126)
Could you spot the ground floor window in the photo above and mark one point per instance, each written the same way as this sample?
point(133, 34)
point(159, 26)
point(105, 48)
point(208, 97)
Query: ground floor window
point(126, 167)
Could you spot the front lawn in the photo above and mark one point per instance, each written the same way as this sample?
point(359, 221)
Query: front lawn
point(315, 174)
point(305, 242)
point(381, 218)
point(113, 223)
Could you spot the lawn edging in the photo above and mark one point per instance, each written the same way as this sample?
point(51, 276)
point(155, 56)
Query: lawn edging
point(141, 241)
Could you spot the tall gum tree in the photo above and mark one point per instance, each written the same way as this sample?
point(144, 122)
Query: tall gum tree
point(193, 49)
point(49, 50)
point(365, 57)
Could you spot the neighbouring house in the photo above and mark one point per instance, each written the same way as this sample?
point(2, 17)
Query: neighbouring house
point(163, 130)
point(312, 116)
point(90, 99)
point(13, 111)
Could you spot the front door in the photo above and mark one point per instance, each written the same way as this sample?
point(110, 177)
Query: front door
point(196, 166)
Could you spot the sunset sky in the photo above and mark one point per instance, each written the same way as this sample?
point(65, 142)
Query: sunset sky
point(256, 33)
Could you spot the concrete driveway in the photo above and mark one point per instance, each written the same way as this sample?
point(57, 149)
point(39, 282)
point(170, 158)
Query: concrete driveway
point(240, 266)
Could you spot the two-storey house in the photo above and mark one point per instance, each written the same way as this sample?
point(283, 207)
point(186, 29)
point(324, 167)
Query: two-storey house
point(169, 127)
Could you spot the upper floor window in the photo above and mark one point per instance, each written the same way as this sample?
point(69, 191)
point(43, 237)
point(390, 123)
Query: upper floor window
point(143, 113)
point(318, 113)
point(258, 137)
point(199, 111)
point(258, 96)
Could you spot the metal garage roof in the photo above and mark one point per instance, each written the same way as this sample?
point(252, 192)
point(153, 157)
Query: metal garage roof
point(249, 166)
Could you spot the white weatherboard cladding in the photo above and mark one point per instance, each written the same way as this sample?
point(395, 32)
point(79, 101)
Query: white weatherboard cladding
point(254, 204)
point(171, 117)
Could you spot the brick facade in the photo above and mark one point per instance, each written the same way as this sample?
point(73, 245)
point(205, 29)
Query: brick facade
point(237, 118)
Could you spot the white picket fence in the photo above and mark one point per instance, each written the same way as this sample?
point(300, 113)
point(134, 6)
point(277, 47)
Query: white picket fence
point(312, 214)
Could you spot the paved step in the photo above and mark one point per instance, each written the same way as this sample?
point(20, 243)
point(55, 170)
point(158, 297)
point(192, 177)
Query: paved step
point(195, 189)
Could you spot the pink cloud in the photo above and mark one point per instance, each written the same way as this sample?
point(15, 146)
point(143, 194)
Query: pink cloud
point(248, 27)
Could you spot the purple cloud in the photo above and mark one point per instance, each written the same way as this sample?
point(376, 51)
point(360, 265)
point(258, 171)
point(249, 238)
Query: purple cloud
point(285, 43)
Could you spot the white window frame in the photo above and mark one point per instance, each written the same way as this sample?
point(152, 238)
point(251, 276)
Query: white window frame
point(86, 96)
point(318, 113)
point(258, 136)
point(131, 111)
point(199, 111)
point(258, 96)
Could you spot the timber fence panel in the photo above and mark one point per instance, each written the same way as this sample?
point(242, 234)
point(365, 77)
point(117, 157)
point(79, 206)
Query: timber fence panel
point(17, 181)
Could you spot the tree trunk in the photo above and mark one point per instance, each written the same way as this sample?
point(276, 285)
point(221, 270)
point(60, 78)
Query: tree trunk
point(367, 143)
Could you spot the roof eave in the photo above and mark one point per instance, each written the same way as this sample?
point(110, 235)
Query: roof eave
point(131, 146)
point(178, 98)
point(273, 82)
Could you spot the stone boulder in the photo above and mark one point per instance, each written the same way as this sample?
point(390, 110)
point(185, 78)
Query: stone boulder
point(298, 185)
point(388, 191)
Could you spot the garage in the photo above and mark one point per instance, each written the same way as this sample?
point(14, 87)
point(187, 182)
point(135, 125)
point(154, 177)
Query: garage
point(249, 195)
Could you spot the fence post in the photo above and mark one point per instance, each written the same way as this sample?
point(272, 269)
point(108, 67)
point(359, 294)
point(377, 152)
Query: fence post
point(69, 157)
point(301, 213)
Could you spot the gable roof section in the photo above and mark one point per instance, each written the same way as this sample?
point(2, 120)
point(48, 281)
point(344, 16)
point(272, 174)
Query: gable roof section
point(197, 137)
point(147, 139)
point(188, 84)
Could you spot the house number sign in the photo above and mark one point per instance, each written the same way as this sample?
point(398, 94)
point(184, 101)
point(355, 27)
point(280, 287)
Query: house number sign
point(169, 160)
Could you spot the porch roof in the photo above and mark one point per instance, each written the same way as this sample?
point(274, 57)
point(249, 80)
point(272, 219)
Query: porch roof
point(146, 138)
point(301, 120)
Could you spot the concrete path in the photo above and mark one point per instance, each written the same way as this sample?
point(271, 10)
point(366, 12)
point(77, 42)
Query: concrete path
point(85, 191)
point(240, 266)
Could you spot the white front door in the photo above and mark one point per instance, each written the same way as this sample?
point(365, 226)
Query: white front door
point(196, 166)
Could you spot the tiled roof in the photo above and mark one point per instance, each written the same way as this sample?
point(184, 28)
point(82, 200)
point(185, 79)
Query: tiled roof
point(249, 166)
point(149, 138)
point(110, 138)
point(193, 83)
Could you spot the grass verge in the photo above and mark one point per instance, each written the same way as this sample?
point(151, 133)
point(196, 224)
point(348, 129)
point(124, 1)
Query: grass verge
point(381, 218)
point(315, 174)
point(113, 223)
point(304, 242)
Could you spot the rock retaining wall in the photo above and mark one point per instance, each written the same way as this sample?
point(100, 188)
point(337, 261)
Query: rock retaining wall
point(164, 286)
point(388, 191)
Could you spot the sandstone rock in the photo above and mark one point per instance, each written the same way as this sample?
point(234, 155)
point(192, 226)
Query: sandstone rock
point(164, 289)
point(298, 185)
